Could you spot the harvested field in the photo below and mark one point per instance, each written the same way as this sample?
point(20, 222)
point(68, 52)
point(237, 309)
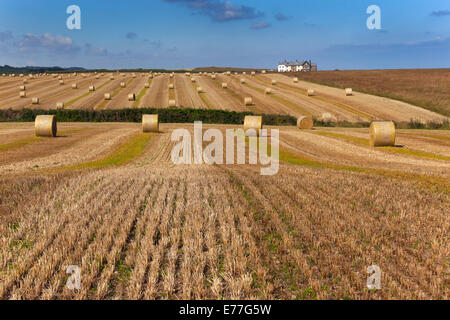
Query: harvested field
point(426, 88)
point(158, 97)
point(108, 198)
point(217, 96)
point(299, 103)
point(369, 106)
point(188, 95)
point(287, 97)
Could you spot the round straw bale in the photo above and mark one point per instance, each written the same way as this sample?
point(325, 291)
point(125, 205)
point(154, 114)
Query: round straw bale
point(91, 88)
point(111, 78)
point(74, 86)
point(253, 122)
point(193, 79)
point(25, 81)
point(60, 78)
point(242, 80)
point(84, 76)
point(23, 88)
point(35, 100)
point(122, 85)
point(305, 122)
point(274, 82)
point(348, 91)
point(224, 85)
point(60, 105)
point(213, 77)
point(23, 94)
point(228, 73)
point(97, 77)
point(172, 103)
point(263, 72)
point(326, 117)
point(147, 85)
point(248, 101)
point(253, 73)
point(199, 89)
point(171, 75)
point(268, 91)
point(45, 126)
point(382, 133)
point(295, 80)
point(61, 82)
point(150, 123)
point(131, 97)
point(310, 92)
point(171, 86)
point(107, 96)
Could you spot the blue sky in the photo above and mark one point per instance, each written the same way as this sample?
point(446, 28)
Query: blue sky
point(237, 33)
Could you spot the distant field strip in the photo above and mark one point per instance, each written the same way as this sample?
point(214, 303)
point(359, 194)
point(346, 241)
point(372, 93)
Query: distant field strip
point(86, 94)
point(337, 104)
point(171, 92)
point(282, 100)
point(239, 97)
point(140, 95)
point(203, 97)
point(102, 104)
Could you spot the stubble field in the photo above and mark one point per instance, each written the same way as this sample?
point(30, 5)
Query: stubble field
point(108, 198)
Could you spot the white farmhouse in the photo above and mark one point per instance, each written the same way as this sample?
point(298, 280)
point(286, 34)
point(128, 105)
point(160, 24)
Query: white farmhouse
point(296, 66)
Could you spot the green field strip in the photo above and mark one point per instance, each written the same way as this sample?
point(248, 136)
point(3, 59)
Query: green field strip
point(19, 143)
point(171, 92)
point(397, 150)
point(123, 154)
point(337, 104)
